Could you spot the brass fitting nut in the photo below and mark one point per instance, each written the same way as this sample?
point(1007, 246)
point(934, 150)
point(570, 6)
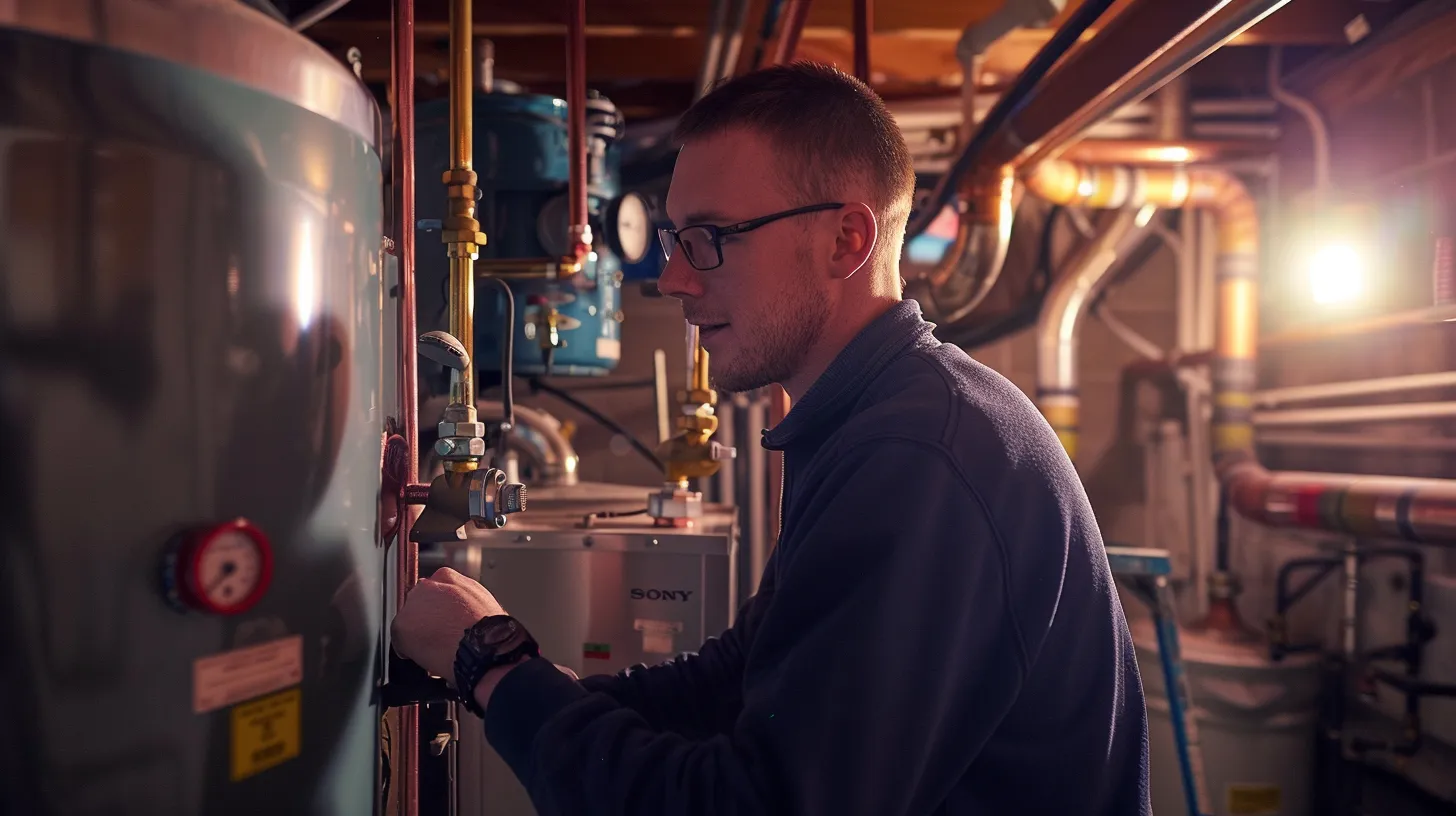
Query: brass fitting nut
point(465, 191)
point(459, 176)
point(696, 397)
point(464, 236)
point(697, 423)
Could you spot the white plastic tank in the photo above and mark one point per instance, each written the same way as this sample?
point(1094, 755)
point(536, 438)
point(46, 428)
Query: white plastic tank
point(1256, 722)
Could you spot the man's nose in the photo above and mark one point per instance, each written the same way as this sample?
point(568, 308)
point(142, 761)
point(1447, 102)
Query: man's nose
point(679, 279)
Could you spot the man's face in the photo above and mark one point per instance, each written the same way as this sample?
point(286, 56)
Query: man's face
point(766, 305)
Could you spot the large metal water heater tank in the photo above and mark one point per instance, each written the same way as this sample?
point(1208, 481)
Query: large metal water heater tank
point(522, 159)
point(191, 594)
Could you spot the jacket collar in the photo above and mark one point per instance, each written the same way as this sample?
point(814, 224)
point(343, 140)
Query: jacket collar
point(838, 389)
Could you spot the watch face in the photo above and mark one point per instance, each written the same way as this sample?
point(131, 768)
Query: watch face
point(495, 633)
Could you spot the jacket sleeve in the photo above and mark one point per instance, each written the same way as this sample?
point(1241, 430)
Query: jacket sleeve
point(695, 695)
point(882, 665)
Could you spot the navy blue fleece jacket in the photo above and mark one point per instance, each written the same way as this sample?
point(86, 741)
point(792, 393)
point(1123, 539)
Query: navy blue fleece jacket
point(936, 632)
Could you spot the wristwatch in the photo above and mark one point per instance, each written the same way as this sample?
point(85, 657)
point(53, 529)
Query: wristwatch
point(495, 640)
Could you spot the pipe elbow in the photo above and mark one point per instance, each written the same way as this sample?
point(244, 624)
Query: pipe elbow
point(961, 281)
point(1238, 218)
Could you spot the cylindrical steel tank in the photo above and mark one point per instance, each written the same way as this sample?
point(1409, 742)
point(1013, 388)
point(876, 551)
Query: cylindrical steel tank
point(190, 414)
point(1256, 723)
point(522, 161)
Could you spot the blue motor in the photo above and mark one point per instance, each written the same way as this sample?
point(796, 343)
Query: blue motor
point(522, 160)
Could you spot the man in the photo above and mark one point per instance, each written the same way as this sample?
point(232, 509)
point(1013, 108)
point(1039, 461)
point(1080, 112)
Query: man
point(937, 630)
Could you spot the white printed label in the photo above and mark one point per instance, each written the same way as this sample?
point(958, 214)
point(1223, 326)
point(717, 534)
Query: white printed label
point(242, 674)
point(657, 636)
point(609, 349)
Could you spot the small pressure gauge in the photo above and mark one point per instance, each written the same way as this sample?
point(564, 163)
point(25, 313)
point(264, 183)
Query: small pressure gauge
point(631, 228)
point(221, 569)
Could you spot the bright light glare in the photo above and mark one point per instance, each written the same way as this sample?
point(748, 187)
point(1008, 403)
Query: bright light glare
point(1336, 275)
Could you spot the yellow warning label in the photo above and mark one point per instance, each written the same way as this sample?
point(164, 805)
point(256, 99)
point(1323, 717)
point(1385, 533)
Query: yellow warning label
point(265, 733)
point(1253, 800)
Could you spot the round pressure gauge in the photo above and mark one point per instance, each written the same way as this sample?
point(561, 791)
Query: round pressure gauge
point(631, 227)
point(223, 569)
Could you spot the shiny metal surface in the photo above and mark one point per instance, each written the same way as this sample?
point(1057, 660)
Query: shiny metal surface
point(643, 593)
point(190, 299)
point(221, 37)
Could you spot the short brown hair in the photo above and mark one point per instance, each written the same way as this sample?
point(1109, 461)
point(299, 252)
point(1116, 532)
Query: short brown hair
point(833, 129)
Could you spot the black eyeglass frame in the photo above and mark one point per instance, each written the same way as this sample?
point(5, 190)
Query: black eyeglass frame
point(716, 232)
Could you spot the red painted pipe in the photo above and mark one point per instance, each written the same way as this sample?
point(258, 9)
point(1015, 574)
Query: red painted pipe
point(864, 27)
point(580, 231)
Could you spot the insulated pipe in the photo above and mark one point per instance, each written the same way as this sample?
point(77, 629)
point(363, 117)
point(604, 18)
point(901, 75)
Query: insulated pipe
point(1062, 317)
point(407, 552)
point(973, 263)
point(1419, 510)
point(580, 230)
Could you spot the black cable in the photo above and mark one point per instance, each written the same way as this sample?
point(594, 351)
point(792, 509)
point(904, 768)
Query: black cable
point(600, 418)
point(612, 385)
point(1022, 91)
point(766, 32)
point(508, 346)
point(1221, 536)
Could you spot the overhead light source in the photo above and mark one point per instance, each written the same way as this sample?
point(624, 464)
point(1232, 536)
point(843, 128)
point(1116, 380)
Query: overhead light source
point(1336, 275)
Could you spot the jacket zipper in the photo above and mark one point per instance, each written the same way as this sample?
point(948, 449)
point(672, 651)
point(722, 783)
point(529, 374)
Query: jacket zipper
point(783, 486)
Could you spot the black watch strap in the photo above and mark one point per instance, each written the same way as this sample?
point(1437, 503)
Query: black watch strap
point(495, 640)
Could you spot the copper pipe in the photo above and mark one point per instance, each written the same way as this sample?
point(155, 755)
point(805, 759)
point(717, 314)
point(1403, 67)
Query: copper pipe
point(1421, 510)
point(407, 553)
point(579, 230)
point(864, 28)
point(794, 21)
point(1110, 151)
point(1146, 45)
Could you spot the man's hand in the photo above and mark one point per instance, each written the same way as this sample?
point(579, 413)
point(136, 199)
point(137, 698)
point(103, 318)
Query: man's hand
point(436, 614)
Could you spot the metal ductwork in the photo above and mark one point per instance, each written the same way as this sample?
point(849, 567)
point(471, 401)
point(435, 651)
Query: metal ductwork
point(1420, 510)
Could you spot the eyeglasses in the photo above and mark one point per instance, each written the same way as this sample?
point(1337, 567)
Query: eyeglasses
point(703, 243)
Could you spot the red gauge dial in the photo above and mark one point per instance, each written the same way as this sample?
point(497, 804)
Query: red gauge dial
point(223, 569)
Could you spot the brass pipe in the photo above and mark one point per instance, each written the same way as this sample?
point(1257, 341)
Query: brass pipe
point(407, 553)
point(461, 233)
point(1120, 151)
point(1420, 510)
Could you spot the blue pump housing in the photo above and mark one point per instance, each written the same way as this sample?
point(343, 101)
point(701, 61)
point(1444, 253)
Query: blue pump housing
point(521, 158)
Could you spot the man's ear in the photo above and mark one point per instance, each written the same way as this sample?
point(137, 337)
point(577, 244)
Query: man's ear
point(854, 243)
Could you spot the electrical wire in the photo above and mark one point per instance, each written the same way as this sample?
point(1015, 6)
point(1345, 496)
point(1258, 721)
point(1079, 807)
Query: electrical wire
point(1022, 91)
point(600, 418)
point(508, 349)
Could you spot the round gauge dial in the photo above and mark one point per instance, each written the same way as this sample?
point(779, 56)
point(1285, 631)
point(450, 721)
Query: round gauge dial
point(224, 569)
point(631, 228)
